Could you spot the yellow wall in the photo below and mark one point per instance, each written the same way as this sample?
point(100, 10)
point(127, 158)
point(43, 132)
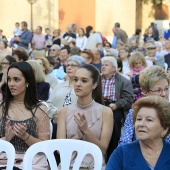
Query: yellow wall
point(13, 11)
point(110, 11)
point(45, 13)
point(145, 15)
point(102, 14)
point(80, 12)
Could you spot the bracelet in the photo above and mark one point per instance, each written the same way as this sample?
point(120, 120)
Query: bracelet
point(27, 138)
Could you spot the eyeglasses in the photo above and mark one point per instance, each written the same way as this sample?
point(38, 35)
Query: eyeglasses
point(5, 63)
point(52, 50)
point(107, 45)
point(71, 65)
point(160, 91)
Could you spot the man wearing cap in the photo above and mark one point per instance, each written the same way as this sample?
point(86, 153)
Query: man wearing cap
point(155, 57)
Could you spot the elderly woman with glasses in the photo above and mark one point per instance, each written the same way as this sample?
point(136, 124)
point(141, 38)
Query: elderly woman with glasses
point(63, 94)
point(153, 81)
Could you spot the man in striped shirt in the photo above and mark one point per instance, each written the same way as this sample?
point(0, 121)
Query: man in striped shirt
point(117, 92)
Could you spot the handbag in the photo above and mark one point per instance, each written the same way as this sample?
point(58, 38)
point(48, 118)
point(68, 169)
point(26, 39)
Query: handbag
point(108, 101)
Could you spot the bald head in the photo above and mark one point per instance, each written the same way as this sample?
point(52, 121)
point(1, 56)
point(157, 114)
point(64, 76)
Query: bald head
point(69, 28)
point(54, 51)
point(97, 54)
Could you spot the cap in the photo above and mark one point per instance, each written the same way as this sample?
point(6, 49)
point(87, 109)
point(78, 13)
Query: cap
point(151, 46)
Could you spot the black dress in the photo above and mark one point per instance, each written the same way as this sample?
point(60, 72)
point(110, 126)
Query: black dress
point(43, 90)
point(57, 41)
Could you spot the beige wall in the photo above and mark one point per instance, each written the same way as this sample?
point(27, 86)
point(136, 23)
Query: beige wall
point(10, 13)
point(145, 15)
point(110, 11)
point(45, 13)
point(106, 13)
point(80, 13)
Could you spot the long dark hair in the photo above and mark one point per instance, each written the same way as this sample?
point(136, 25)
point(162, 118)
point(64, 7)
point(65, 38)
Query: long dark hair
point(10, 59)
point(31, 99)
point(88, 29)
point(95, 75)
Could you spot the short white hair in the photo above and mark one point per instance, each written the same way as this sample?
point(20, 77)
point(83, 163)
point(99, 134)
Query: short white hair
point(158, 44)
point(112, 60)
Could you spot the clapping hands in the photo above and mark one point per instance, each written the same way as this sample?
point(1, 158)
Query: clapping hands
point(18, 129)
point(81, 122)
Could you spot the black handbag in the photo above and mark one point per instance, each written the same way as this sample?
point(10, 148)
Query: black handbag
point(108, 101)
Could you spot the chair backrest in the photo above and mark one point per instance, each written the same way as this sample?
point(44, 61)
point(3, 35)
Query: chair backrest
point(66, 147)
point(166, 67)
point(9, 149)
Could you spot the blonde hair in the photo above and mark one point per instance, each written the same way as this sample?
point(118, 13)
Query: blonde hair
point(38, 72)
point(57, 30)
point(45, 63)
point(135, 56)
point(125, 48)
point(162, 107)
point(149, 76)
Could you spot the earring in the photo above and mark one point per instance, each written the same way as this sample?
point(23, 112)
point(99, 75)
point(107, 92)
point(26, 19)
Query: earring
point(27, 85)
point(163, 135)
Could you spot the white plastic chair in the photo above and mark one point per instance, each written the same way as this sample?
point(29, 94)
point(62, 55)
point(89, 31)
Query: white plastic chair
point(66, 148)
point(166, 67)
point(9, 149)
point(51, 130)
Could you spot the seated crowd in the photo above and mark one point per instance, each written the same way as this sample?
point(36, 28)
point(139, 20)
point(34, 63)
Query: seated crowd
point(115, 95)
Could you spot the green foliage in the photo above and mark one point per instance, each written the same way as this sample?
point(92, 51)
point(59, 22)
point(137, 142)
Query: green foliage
point(155, 2)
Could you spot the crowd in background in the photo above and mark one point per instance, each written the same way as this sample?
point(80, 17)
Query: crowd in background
point(88, 88)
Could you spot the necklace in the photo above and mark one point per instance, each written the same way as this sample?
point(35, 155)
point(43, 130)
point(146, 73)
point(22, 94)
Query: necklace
point(148, 159)
point(18, 112)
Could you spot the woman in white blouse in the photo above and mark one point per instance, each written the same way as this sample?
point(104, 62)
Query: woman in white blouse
point(81, 40)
